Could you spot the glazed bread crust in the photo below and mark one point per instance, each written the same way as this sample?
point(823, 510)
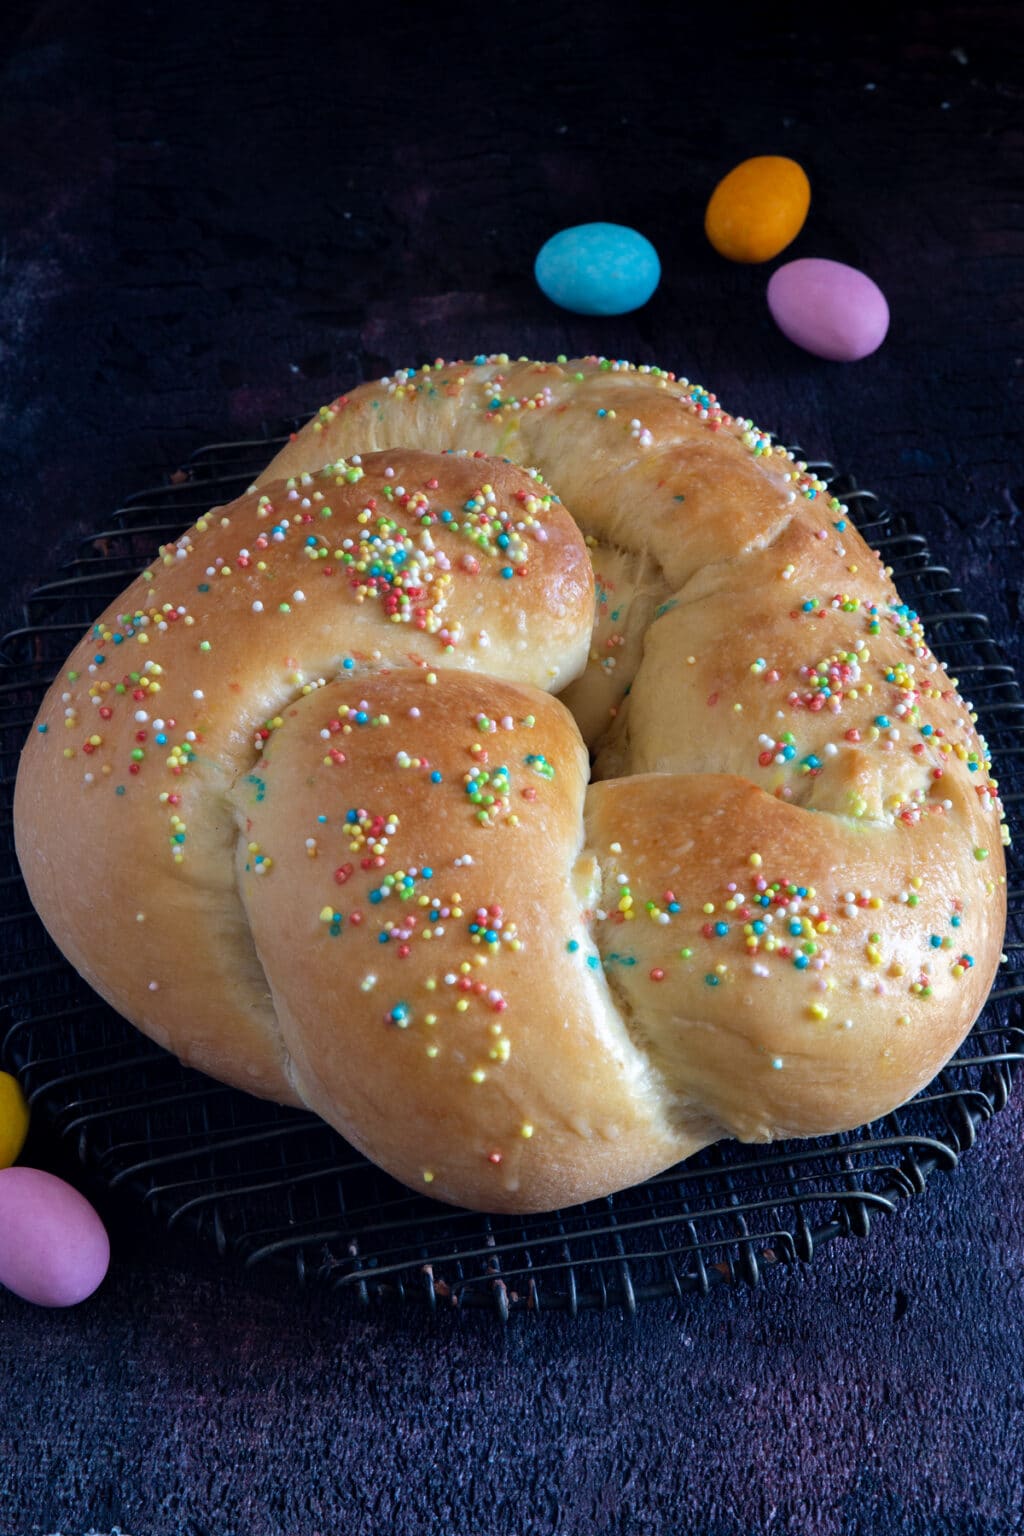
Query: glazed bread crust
point(538, 777)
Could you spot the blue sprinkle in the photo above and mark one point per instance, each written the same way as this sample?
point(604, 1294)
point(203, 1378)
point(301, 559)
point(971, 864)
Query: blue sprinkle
point(427, 872)
point(348, 663)
point(572, 946)
point(507, 571)
point(955, 921)
point(119, 790)
point(882, 720)
point(801, 962)
point(593, 961)
point(99, 659)
point(758, 927)
point(712, 981)
point(161, 740)
point(935, 941)
point(435, 777)
point(42, 729)
point(721, 929)
point(118, 639)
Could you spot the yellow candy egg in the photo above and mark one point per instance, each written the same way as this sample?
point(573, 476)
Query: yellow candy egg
point(757, 209)
point(13, 1119)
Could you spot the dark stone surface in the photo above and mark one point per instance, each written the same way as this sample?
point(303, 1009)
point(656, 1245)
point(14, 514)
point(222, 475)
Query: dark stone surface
point(211, 218)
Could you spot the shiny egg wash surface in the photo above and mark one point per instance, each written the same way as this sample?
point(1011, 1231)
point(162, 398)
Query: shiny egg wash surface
point(365, 868)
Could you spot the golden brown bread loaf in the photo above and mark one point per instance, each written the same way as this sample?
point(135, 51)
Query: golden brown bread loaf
point(304, 806)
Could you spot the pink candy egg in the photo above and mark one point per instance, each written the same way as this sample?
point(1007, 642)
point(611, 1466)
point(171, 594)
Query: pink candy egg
point(828, 308)
point(54, 1250)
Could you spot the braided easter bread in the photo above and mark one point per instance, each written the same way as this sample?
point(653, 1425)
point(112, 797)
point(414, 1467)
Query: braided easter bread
point(305, 807)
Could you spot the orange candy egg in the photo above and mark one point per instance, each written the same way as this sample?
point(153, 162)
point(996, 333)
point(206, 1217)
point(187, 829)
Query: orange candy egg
point(13, 1119)
point(758, 209)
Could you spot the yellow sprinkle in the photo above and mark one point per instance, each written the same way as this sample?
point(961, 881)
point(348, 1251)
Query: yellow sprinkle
point(461, 1005)
point(755, 860)
point(478, 1075)
point(428, 1177)
point(526, 1131)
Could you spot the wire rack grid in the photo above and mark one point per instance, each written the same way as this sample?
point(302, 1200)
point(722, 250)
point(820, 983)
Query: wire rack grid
point(275, 1187)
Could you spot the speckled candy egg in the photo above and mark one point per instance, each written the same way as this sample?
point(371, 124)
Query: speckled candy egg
point(54, 1250)
point(13, 1119)
point(598, 269)
point(758, 209)
point(828, 308)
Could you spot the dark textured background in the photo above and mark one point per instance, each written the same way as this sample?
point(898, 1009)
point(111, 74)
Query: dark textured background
point(213, 217)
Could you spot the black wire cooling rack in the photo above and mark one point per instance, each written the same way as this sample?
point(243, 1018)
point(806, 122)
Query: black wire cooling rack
point(276, 1187)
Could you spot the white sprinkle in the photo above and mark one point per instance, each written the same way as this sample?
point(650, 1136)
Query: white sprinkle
point(154, 986)
point(257, 607)
point(197, 693)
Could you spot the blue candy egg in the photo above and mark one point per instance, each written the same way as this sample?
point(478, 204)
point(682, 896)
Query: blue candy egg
point(598, 269)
